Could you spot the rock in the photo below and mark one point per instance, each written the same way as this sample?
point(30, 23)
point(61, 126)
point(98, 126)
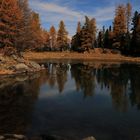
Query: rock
point(14, 137)
point(14, 57)
point(34, 65)
point(89, 138)
point(20, 60)
point(2, 137)
point(19, 137)
point(42, 66)
point(22, 67)
point(21, 78)
point(2, 59)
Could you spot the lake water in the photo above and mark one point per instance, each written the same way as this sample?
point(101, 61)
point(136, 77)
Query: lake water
point(73, 100)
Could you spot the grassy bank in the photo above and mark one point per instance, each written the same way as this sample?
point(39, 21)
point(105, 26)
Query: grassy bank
point(80, 56)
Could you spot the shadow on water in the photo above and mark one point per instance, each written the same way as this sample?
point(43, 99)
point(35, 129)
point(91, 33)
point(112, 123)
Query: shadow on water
point(73, 101)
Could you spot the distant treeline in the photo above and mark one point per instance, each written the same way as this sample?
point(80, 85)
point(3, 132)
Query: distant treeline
point(123, 35)
point(20, 30)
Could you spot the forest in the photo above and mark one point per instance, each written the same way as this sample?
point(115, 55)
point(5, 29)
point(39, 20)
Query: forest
point(21, 30)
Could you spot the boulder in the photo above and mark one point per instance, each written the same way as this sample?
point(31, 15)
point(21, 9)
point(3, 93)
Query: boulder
point(20, 60)
point(21, 67)
point(2, 59)
point(21, 78)
point(89, 138)
point(14, 57)
point(34, 65)
point(19, 137)
point(2, 137)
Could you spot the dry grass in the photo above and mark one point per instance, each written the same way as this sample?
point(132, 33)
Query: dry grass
point(94, 55)
point(6, 72)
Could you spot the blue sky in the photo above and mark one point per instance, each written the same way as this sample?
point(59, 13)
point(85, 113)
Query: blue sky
point(72, 11)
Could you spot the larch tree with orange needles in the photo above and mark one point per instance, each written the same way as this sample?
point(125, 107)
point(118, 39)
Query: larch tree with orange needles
point(10, 26)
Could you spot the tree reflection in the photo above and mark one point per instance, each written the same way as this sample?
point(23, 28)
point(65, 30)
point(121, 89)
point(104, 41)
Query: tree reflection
point(122, 81)
point(135, 85)
point(61, 74)
point(16, 105)
point(84, 78)
point(57, 74)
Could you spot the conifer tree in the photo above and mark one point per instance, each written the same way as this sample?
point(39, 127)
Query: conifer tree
point(135, 46)
point(27, 34)
point(78, 27)
point(76, 42)
point(37, 31)
point(100, 40)
point(119, 26)
point(128, 15)
point(62, 37)
point(46, 41)
point(10, 26)
point(106, 39)
point(88, 34)
point(85, 36)
point(93, 31)
point(52, 37)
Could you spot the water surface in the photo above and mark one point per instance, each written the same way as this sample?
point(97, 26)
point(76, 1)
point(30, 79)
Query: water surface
point(73, 100)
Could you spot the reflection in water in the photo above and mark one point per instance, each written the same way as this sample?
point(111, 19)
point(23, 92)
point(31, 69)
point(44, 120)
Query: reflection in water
point(16, 103)
point(111, 97)
point(84, 78)
point(122, 81)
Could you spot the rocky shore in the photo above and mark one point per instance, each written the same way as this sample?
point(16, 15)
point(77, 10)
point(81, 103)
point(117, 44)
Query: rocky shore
point(16, 65)
point(44, 137)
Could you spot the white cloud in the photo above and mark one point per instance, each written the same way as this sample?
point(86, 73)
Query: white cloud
point(53, 12)
point(56, 9)
point(104, 14)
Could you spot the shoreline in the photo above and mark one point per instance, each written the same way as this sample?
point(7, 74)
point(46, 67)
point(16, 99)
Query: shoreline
point(38, 56)
point(15, 65)
point(27, 64)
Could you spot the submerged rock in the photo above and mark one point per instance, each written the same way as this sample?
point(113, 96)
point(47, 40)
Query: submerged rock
point(2, 137)
point(13, 137)
point(89, 138)
point(19, 137)
point(22, 78)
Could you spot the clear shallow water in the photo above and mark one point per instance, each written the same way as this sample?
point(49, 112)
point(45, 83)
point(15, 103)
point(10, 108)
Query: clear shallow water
point(73, 101)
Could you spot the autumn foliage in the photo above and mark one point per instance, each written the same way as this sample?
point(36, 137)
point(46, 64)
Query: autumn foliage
point(20, 30)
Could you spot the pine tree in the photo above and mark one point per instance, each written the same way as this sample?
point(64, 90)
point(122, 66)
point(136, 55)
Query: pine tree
point(100, 39)
point(78, 27)
point(10, 26)
point(27, 34)
point(119, 26)
point(46, 40)
point(128, 15)
point(88, 34)
point(85, 37)
point(111, 36)
point(126, 38)
point(76, 42)
point(62, 37)
point(52, 37)
point(37, 32)
point(106, 39)
point(135, 46)
point(93, 30)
